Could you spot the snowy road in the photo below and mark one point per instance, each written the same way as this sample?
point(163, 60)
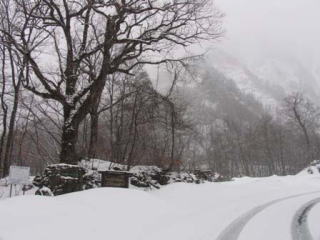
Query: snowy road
point(255, 225)
point(300, 228)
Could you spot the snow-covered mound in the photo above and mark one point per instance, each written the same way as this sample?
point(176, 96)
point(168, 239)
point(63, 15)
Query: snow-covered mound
point(312, 169)
point(179, 211)
point(93, 214)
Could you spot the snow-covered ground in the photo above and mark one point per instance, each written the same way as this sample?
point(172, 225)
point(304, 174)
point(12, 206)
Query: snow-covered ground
point(178, 211)
point(313, 222)
point(16, 190)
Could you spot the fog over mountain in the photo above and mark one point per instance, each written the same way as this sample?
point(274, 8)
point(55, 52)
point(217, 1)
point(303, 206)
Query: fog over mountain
point(270, 48)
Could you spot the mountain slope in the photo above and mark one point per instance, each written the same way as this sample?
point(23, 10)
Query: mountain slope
point(269, 80)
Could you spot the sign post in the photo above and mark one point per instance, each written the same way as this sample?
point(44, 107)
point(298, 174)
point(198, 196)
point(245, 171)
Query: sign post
point(18, 175)
point(118, 179)
point(10, 190)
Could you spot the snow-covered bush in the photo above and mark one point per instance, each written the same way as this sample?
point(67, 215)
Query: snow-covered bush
point(153, 176)
point(64, 178)
point(148, 177)
point(44, 191)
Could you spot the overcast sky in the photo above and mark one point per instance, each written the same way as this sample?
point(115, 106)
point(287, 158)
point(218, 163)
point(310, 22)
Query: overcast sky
point(258, 28)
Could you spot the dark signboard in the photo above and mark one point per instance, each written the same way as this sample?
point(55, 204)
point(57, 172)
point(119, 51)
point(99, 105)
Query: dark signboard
point(115, 179)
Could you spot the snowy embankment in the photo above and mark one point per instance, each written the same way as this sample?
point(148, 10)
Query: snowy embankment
point(178, 211)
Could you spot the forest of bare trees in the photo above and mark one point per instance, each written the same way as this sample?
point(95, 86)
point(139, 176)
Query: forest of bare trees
point(74, 86)
point(64, 61)
point(235, 135)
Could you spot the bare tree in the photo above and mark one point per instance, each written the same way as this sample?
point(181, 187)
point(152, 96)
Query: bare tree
point(4, 105)
point(120, 34)
point(12, 76)
point(304, 115)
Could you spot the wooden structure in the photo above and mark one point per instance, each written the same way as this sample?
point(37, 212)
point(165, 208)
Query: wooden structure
point(118, 179)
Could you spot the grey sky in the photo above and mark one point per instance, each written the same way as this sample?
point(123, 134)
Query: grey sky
point(256, 28)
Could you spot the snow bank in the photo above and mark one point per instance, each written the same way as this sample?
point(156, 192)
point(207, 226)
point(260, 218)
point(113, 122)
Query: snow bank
point(313, 168)
point(93, 214)
point(178, 211)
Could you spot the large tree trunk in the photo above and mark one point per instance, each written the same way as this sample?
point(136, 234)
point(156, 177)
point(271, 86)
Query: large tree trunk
point(68, 147)
point(72, 120)
point(94, 125)
point(69, 137)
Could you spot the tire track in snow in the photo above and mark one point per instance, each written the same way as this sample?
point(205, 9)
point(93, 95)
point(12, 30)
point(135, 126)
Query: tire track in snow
point(299, 227)
point(233, 230)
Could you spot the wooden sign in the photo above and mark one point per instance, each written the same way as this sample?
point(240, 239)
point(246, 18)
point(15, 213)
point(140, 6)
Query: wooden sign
point(115, 179)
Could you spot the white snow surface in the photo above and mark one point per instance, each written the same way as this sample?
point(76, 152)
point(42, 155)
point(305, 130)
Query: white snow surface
point(178, 211)
point(265, 227)
point(314, 222)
